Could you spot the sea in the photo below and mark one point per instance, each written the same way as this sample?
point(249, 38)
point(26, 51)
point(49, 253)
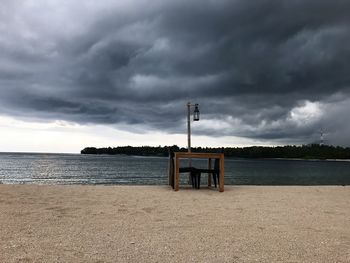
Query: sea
point(67, 169)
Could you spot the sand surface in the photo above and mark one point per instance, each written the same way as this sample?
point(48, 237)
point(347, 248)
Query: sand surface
point(156, 224)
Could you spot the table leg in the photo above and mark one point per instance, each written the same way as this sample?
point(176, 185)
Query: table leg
point(177, 174)
point(171, 172)
point(221, 175)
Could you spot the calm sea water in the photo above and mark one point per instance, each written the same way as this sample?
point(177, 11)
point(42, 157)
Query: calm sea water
point(26, 168)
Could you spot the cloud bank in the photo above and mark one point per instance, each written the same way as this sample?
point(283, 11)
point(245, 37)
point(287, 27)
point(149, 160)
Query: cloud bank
point(267, 70)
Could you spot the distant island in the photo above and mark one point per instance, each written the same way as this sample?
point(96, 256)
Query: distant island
point(313, 151)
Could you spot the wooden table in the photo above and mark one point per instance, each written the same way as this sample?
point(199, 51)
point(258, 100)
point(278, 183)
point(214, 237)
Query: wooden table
point(209, 156)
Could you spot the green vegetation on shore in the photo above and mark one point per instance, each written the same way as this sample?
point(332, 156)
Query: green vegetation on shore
point(313, 151)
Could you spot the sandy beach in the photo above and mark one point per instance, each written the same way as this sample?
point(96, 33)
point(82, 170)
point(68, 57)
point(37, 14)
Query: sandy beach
point(156, 224)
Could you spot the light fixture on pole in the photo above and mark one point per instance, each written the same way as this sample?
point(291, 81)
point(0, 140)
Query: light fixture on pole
point(196, 113)
point(195, 118)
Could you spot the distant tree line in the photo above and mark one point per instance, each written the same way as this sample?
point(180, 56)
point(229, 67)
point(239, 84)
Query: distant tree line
point(313, 151)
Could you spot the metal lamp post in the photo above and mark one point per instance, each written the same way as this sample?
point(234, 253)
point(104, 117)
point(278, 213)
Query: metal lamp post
point(195, 118)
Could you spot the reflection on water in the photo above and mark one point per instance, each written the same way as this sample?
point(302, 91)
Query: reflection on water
point(117, 169)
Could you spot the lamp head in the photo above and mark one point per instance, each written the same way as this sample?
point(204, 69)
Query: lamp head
point(196, 113)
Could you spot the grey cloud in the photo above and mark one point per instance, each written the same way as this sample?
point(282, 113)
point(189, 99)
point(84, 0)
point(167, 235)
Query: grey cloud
point(137, 64)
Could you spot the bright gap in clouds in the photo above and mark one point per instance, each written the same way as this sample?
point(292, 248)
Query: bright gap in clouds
point(66, 137)
point(306, 114)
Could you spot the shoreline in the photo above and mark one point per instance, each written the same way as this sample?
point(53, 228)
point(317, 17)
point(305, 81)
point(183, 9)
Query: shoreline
point(313, 160)
point(84, 223)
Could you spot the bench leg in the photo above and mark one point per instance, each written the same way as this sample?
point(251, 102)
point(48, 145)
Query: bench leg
point(193, 180)
point(214, 178)
point(198, 180)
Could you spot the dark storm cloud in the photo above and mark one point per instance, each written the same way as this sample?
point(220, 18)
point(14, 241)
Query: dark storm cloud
point(269, 70)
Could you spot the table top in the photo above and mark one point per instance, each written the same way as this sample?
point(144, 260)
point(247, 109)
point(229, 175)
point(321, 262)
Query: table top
point(198, 155)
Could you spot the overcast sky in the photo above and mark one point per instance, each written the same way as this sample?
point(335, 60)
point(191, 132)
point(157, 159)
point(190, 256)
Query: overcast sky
point(108, 73)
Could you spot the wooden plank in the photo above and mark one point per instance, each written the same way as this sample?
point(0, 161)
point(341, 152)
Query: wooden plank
point(177, 173)
point(198, 155)
point(171, 172)
point(209, 174)
point(221, 174)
